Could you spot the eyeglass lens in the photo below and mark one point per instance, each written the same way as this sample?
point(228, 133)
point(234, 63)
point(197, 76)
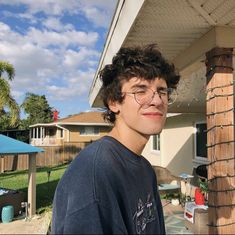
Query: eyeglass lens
point(168, 96)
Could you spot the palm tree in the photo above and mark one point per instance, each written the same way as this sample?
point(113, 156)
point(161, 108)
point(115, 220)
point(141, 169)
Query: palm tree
point(6, 100)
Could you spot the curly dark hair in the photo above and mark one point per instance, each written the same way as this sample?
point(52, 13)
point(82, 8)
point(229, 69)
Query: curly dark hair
point(142, 62)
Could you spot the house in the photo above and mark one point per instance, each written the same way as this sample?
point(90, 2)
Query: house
point(84, 128)
point(64, 138)
point(198, 36)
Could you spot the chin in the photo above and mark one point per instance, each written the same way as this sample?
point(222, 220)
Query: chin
point(155, 131)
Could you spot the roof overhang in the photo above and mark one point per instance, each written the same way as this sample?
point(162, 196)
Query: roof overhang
point(184, 31)
point(61, 124)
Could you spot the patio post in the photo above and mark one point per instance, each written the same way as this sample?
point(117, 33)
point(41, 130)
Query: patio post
point(2, 164)
point(220, 140)
point(32, 185)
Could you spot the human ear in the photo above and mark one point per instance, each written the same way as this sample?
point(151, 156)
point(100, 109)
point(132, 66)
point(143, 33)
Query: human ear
point(113, 106)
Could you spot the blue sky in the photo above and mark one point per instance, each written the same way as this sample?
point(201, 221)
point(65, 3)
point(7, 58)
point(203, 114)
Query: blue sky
point(54, 46)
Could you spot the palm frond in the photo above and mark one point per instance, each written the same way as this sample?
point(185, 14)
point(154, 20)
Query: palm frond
point(4, 92)
point(8, 68)
point(14, 111)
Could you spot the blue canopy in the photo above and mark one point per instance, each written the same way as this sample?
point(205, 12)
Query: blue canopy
point(9, 146)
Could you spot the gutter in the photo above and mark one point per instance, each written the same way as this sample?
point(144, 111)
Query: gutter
point(71, 123)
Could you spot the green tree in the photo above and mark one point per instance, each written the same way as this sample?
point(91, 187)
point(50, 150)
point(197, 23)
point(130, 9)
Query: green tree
point(10, 118)
point(37, 109)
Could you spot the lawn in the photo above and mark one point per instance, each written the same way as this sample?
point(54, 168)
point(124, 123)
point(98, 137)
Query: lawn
point(45, 186)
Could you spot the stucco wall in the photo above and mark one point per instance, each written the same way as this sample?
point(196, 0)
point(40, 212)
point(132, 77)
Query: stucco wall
point(151, 155)
point(177, 144)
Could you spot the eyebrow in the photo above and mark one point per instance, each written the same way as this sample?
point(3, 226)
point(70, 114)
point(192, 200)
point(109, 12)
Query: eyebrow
point(139, 86)
point(145, 86)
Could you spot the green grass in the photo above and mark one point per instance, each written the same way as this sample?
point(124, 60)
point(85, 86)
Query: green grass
point(44, 190)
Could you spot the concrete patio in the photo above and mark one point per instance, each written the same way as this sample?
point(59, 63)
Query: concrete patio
point(174, 219)
point(38, 224)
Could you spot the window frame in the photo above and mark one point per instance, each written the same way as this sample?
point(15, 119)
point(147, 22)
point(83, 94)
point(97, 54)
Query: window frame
point(95, 129)
point(199, 158)
point(158, 136)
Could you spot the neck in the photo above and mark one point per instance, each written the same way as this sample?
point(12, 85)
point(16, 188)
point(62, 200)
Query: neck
point(131, 139)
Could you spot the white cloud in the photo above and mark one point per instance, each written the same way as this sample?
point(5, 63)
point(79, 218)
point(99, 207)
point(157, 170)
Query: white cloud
point(40, 69)
point(56, 60)
point(55, 24)
point(75, 87)
point(99, 12)
point(80, 58)
point(67, 38)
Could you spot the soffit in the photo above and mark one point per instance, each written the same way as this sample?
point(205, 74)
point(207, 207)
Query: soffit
point(183, 30)
point(176, 24)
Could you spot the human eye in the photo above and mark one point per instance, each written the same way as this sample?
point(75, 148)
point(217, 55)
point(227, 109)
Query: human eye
point(140, 89)
point(162, 91)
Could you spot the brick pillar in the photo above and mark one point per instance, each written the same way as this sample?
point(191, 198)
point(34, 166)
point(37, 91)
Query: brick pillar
point(220, 140)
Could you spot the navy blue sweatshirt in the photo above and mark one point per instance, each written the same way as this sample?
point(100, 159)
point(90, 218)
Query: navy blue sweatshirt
point(108, 189)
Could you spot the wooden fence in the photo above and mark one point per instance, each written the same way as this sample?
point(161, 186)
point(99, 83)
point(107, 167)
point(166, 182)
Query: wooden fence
point(53, 156)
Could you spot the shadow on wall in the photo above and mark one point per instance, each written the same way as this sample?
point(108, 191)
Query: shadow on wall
point(182, 162)
point(180, 133)
point(164, 175)
point(69, 149)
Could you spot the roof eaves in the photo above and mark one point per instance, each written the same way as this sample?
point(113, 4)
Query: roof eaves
point(71, 124)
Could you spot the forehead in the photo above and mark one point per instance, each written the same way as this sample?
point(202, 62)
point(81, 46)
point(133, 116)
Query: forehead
point(135, 82)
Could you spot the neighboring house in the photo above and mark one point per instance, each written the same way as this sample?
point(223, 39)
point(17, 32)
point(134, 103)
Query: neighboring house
point(83, 128)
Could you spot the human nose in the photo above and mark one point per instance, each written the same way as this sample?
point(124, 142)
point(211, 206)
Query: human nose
point(156, 98)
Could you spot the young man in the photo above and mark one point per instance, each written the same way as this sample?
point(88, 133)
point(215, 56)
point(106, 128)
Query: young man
point(110, 188)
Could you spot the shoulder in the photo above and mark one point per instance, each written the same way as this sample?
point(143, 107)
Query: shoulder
point(81, 169)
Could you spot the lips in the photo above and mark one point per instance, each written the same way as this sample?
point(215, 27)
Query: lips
point(153, 114)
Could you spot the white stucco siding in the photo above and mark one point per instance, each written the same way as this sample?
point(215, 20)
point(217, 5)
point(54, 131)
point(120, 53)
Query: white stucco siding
point(177, 149)
point(152, 156)
point(177, 142)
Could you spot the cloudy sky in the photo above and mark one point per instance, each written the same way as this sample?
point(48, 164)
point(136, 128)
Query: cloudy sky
point(54, 46)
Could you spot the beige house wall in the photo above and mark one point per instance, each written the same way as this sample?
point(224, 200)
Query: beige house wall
point(153, 156)
point(74, 134)
point(70, 134)
point(177, 144)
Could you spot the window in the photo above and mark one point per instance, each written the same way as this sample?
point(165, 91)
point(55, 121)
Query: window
point(201, 141)
point(89, 130)
point(156, 142)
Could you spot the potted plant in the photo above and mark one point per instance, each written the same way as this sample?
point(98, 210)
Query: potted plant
point(201, 192)
point(203, 184)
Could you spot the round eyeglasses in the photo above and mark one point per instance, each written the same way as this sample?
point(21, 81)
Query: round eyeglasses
point(144, 96)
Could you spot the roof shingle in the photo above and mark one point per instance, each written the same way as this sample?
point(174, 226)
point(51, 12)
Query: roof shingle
point(84, 117)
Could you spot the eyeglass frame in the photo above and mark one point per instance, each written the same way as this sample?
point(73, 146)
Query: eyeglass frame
point(168, 91)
